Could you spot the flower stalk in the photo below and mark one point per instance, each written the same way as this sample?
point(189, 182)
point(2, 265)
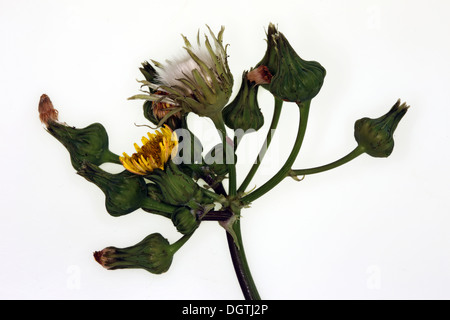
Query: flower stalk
point(265, 146)
point(295, 173)
point(228, 155)
point(281, 174)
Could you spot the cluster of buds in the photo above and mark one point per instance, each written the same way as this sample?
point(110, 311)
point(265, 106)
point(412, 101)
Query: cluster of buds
point(167, 172)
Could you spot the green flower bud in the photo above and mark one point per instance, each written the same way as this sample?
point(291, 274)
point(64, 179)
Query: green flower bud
point(124, 192)
point(244, 112)
point(375, 136)
point(184, 220)
point(153, 254)
point(176, 187)
point(86, 144)
point(293, 79)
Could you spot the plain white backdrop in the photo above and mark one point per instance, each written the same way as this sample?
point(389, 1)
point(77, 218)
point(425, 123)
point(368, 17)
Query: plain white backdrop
point(372, 229)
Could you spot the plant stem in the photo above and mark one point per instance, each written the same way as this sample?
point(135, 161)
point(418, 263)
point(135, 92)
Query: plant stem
point(109, 156)
point(216, 186)
point(163, 209)
point(220, 126)
point(352, 155)
point(212, 195)
point(174, 247)
point(236, 245)
point(222, 215)
point(265, 146)
point(281, 174)
point(240, 264)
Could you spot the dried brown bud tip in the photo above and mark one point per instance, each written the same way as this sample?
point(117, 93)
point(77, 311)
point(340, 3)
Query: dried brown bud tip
point(260, 75)
point(46, 110)
point(102, 257)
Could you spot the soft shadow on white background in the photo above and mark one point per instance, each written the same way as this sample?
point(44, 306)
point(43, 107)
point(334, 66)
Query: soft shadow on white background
point(372, 229)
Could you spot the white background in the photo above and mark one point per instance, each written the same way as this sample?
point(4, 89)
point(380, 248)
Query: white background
point(372, 229)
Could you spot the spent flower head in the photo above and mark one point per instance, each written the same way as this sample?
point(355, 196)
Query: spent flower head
point(200, 81)
point(47, 113)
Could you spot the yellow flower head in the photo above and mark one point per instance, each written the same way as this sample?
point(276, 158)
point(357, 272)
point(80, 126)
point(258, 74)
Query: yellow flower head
point(154, 153)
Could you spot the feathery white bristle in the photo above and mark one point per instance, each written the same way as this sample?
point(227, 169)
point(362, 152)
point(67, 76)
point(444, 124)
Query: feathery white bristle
point(182, 67)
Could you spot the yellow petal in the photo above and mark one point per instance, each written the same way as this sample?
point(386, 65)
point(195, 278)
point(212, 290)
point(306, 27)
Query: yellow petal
point(138, 149)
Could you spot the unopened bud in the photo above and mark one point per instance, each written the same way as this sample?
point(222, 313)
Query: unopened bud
point(153, 253)
point(294, 79)
point(244, 112)
point(376, 136)
point(184, 220)
point(89, 144)
point(124, 192)
point(86, 144)
point(177, 187)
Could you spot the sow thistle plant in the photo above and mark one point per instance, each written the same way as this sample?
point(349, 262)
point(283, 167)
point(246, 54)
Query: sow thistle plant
point(170, 175)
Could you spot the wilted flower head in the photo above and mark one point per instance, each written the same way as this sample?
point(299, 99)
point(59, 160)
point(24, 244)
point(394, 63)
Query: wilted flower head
point(260, 75)
point(47, 112)
point(200, 81)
